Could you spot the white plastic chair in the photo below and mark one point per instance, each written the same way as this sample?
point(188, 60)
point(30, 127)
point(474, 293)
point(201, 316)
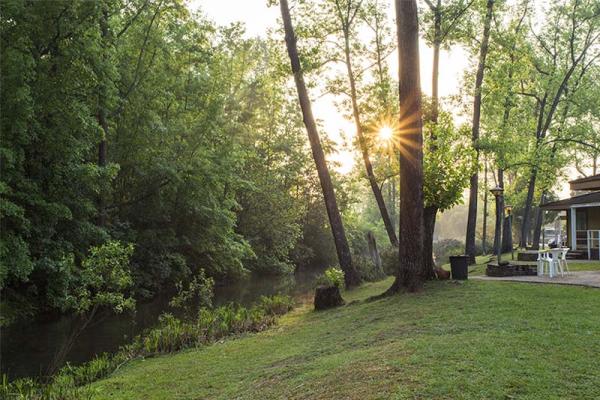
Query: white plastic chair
point(540, 263)
point(564, 266)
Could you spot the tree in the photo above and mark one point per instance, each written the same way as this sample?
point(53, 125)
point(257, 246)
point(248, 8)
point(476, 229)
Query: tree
point(442, 26)
point(473, 192)
point(347, 12)
point(411, 272)
point(351, 276)
point(564, 45)
point(99, 286)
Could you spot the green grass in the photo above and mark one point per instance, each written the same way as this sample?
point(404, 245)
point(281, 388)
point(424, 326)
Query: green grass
point(475, 340)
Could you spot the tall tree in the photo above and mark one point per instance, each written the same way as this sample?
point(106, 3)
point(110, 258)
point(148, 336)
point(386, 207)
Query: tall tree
point(444, 23)
point(351, 276)
point(411, 272)
point(473, 192)
point(563, 46)
point(347, 12)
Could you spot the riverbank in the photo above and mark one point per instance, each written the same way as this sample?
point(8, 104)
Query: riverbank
point(29, 346)
point(472, 340)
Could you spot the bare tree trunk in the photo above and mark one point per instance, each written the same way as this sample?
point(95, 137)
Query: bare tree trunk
point(430, 212)
point(472, 217)
point(387, 221)
point(351, 275)
point(524, 240)
point(429, 217)
point(412, 271)
point(485, 206)
point(539, 219)
point(499, 214)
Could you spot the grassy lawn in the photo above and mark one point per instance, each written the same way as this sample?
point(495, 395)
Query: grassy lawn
point(476, 340)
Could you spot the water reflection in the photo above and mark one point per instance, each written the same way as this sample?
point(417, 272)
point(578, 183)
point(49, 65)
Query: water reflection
point(27, 348)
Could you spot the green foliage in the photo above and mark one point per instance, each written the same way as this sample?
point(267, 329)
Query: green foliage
point(276, 305)
point(443, 249)
point(369, 272)
point(449, 162)
point(333, 276)
point(198, 291)
point(206, 161)
point(102, 281)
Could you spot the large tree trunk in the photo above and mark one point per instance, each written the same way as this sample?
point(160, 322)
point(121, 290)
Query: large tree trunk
point(412, 270)
point(472, 216)
point(352, 278)
point(387, 221)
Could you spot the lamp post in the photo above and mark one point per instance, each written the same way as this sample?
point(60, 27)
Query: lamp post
point(508, 233)
point(497, 192)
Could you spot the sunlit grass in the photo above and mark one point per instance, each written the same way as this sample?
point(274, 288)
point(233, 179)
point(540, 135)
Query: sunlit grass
point(471, 340)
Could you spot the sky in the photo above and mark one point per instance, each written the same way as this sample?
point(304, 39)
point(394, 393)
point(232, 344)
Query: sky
point(258, 18)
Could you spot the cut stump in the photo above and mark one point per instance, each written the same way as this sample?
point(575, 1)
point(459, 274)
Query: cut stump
point(327, 297)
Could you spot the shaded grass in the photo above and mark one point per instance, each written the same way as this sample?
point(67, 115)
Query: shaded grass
point(453, 341)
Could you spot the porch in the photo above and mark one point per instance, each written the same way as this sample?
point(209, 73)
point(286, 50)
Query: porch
point(583, 223)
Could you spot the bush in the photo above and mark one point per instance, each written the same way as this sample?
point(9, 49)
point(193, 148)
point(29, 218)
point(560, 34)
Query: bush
point(333, 276)
point(389, 260)
point(276, 305)
point(445, 248)
point(367, 269)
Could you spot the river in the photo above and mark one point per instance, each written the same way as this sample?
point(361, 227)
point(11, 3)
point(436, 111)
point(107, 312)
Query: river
point(26, 348)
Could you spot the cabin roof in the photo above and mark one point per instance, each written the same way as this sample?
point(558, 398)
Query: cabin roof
point(586, 183)
point(593, 199)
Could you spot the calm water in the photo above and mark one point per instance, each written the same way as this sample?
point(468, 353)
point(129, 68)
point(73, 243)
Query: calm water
point(27, 348)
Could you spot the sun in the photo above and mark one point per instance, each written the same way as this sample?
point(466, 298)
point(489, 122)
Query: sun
point(385, 133)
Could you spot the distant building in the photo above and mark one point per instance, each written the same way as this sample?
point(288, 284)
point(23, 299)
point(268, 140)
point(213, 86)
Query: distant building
point(583, 216)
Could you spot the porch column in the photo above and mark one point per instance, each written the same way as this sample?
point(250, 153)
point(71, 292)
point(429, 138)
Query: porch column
point(573, 229)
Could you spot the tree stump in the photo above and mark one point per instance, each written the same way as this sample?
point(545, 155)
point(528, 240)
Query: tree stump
point(327, 297)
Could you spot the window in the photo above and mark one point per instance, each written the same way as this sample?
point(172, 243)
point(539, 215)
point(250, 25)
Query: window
point(581, 216)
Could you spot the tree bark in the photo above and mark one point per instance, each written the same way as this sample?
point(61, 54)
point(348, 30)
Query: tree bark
point(472, 216)
point(539, 219)
point(387, 221)
point(429, 218)
point(507, 244)
point(351, 275)
point(412, 270)
point(485, 206)
point(499, 214)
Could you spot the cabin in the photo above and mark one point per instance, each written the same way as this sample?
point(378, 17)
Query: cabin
point(582, 212)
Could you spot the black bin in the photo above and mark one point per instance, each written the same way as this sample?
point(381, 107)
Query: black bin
point(459, 266)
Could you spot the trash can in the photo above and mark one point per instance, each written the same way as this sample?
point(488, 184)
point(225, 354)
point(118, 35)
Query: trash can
point(459, 266)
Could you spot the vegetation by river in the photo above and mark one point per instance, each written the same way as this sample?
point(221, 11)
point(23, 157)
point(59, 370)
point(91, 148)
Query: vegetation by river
point(152, 157)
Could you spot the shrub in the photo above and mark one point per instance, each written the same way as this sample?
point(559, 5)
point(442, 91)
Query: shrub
point(276, 305)
point(367, 269)
point(389, 260)
point(445, 248)
point(333, 276)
